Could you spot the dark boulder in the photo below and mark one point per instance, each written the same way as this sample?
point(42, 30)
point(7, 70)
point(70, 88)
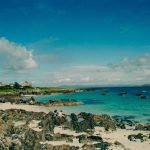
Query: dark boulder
point(134, 137)
point(145, 127)
point(48, 123)
point(88, 121)
point(74, 123)
point(88, 139)
point(104, 121)
point(102, 145)
point(60, 120)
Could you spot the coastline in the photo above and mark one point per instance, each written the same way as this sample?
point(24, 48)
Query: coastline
point(115, 137)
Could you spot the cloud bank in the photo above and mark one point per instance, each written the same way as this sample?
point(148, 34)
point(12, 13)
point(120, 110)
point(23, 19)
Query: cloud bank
point(19, 59)
point(129, 71)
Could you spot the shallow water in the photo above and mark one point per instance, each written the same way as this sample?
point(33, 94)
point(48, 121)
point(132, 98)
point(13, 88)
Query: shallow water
point(128, 105)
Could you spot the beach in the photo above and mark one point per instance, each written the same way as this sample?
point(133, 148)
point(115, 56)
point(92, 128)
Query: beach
point(59, 134)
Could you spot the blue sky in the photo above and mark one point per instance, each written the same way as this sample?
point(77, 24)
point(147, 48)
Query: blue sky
point(69, 42)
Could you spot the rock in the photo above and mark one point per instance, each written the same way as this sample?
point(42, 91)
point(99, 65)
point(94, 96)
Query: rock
point(102, 145)
point(64, 102)
point(138, 94)
point(74, 122)
point(134, 137)
point(143, 97)
point(14, 146)
point(95, 138)
point(31, 140)
point(120, 145)
point(123, 121)
point(105, 121)
point(121, 125)
point(48, 123)
point(87, 123)
point(88, 147)
point(103, 94)
point(122, 94)
point(145, 127)
point(60, 120)
point(2, 146)
point(82, 139)
point(48, 137)
point(89, 139)
point(63, 137)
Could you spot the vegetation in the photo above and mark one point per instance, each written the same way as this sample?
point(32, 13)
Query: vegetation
point(18, 88)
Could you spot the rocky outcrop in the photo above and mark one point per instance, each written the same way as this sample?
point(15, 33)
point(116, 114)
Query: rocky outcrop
point(87, 122)
point(64, 102)
point(123, 121)
point(31, 140)
point(145, 127)
point(82, 122)
point(48, 123)
point(39, 130)
point(105, 121)
point(135, 137)
point(87, 139)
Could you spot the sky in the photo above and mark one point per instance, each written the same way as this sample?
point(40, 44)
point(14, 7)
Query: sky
point(75, 42)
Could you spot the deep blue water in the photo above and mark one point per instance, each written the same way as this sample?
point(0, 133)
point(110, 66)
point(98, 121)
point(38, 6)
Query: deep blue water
point(128, 105)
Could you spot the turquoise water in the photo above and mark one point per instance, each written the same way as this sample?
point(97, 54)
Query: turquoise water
point(113, 104)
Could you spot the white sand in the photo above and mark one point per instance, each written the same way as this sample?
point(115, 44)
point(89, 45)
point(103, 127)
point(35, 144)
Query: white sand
point(34, 125)
point(19, 123)
point(121, 135)
point(5, 106)
point(67, 131)
point(58, 143)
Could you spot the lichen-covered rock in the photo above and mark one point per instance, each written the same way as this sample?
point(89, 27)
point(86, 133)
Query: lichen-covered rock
point(87, 122)
point(74, 123)
point(102, 145)
point(89, 139)
point(88, 147)
point(145, 127)
point(48, 123)
point(31, 140)
point(134, 137)
point(105, 121)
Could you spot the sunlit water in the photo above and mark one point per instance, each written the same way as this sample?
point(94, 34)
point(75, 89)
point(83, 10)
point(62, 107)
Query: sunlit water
point(128, 105)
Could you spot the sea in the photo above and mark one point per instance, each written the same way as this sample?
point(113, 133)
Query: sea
point(114, 101)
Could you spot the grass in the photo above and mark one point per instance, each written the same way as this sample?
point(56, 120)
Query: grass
point(7, 88)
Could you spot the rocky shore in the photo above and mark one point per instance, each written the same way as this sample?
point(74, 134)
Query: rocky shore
point(30, 100)
point(26, 130)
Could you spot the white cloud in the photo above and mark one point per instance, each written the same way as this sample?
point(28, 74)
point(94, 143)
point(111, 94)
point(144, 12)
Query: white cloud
point(128, 71)
point(19, 59)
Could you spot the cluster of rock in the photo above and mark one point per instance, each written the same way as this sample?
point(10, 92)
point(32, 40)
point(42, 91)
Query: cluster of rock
point(18, 132)
point(17, 99)
point(16, 136)
point(138, 137)
point(9, 97)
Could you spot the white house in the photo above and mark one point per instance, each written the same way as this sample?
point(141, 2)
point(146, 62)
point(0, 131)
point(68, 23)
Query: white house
point(25, 83)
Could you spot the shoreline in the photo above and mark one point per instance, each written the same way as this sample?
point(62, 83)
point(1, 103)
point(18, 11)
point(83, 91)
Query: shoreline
point(65, 129)
point(115, 137)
